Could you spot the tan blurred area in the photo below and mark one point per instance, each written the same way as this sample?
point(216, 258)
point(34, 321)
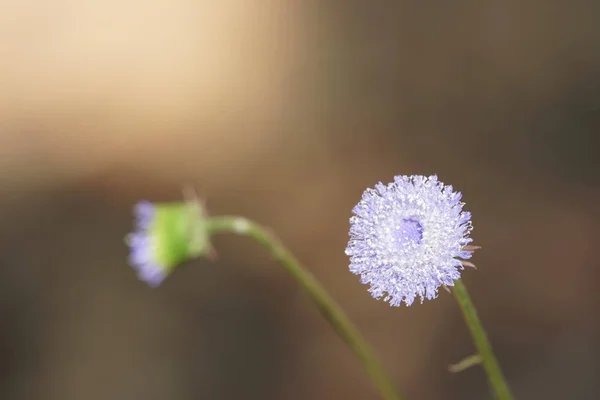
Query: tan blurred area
point(284, 112)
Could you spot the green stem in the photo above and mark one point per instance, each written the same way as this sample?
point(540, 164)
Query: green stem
point(327, 305)
point(490, 364)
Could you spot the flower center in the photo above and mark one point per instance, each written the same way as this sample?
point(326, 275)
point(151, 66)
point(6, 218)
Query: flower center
point(407, 232)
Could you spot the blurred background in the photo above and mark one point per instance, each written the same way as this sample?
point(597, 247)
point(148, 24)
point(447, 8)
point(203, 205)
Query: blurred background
point(285, 111)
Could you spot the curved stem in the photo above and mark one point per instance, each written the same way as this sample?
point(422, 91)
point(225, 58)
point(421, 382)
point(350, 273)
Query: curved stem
point(490, 364)
point(327, 305)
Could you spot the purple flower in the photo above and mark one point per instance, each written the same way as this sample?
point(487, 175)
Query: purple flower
point(406, 238)
point(165, 236)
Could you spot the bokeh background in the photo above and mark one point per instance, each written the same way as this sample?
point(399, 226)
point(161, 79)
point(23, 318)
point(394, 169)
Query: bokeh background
point(285, 111)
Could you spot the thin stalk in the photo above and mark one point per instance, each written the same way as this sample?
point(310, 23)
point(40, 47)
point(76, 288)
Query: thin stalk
point(325, 303)
point(490, 364)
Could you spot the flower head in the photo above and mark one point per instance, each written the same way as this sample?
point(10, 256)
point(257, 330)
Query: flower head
point(166, 235)
point(406, 238)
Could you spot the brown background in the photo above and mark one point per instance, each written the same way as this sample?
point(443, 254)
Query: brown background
point(284, 112)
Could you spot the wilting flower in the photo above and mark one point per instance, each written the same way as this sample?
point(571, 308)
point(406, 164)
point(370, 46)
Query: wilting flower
point(406, 238)
point(166, 235)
